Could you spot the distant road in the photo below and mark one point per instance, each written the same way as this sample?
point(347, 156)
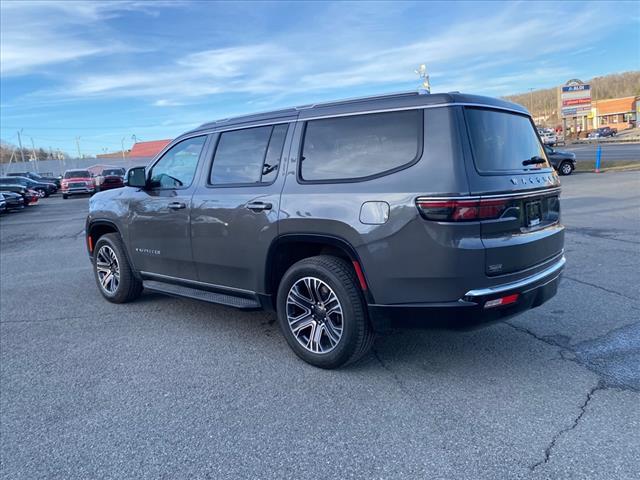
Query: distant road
point(610, 151)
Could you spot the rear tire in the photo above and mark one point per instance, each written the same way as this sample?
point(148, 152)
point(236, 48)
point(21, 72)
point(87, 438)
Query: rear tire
point(65, 196)
point(566, 168)
point(310, 295)
point(113, 274)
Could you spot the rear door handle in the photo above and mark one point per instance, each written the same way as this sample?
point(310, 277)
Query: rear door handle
point(177, 205)
point(259, 206)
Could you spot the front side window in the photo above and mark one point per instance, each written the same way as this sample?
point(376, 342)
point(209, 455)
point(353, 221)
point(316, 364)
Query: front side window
point(249, 156)
point(504, 141)
point(178, 165)
point(360, 146)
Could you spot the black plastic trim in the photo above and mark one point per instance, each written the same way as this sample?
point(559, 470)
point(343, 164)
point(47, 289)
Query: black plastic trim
point(315, 238)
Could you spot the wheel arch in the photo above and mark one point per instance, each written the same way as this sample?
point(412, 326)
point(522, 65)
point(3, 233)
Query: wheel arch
point(290, 248)
point(96, 229)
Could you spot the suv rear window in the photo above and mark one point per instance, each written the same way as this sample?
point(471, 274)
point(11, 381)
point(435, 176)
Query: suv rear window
point(501, 141)
point(360, 146)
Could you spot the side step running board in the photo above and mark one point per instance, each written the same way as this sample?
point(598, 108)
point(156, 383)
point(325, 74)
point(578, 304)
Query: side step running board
point(198, 294)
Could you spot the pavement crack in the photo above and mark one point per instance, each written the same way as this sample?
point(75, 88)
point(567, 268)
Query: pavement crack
point(568, 353)
point(394, 375)
point(599, 287)
point(544, 339)
point(583, 409)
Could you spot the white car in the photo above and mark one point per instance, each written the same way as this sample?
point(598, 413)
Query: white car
point(548, 138)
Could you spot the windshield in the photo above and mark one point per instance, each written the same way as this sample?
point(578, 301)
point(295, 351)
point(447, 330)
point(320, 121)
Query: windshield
point(502, 141)
point(77, 174)
point(113, 171)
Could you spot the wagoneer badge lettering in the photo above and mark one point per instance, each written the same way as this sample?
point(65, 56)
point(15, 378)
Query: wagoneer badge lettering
point(148, 251)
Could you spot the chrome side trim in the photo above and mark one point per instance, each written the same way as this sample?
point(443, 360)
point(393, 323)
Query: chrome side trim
point(241, 126)
point(526, 194)
point(207, 128)
point(195, 282)
point(555, 269)
point(414, 107)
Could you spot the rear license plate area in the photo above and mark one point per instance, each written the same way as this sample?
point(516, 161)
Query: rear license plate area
point(533, 213)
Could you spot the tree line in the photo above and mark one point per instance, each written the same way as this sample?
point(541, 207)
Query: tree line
point(7, 150)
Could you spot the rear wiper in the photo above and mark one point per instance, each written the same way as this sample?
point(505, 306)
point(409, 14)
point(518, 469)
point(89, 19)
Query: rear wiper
point(535, 160)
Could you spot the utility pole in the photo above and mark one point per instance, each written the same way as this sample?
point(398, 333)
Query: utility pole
point(35, 155)
point(124, 159)
point(20, 144)
point(78, 145)
point(531, 100)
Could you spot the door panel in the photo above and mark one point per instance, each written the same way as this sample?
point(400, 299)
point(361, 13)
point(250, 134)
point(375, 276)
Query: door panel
point(233, 225)
point(160, 216)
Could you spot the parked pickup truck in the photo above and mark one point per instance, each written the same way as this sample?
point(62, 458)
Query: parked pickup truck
point(346, 218)
point(603, 132)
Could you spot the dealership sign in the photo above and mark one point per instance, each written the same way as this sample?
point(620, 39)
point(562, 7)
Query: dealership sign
point(576, 99)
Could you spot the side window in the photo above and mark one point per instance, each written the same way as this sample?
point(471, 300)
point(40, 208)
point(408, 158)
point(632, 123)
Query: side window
point(246, 156)
point(178, 165)
point(359, 146)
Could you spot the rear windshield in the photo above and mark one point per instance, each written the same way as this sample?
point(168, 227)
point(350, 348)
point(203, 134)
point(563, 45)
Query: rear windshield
point(77, 174)
point(502, 141)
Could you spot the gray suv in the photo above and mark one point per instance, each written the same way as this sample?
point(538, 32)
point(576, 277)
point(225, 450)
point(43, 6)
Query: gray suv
point(346, 218)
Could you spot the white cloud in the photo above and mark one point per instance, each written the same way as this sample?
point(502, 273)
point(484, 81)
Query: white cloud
point(36, 34)
point(350, 53)
point(164, 102)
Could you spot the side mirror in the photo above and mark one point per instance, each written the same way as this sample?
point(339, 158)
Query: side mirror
point(136, 177)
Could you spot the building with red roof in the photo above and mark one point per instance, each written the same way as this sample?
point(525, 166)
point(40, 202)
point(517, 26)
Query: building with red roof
point(148, 149)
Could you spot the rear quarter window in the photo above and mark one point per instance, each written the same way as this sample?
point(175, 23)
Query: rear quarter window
point(501, 141)
point(358, 147)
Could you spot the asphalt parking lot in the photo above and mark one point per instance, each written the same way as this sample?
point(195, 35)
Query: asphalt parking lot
point(171, 388)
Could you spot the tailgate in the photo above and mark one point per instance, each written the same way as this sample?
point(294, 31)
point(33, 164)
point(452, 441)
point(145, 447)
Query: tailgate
point(527, 234)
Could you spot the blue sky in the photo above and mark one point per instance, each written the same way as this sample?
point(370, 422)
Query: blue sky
point(105, 71)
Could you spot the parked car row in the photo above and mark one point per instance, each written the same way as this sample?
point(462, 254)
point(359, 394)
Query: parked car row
point(22, 189)
point(43, 188)
point(16, 197)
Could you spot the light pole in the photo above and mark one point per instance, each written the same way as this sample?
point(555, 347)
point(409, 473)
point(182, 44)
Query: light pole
point(35, 155)
point(78, 146)
point(20, 144)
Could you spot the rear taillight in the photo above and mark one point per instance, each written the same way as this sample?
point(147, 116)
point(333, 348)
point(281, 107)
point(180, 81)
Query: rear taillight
point(462, 210)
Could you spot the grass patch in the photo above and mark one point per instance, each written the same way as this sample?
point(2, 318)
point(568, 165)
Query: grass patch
point(608, 165)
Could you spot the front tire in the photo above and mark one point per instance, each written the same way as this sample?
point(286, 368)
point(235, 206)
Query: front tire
point(322, 313)
point(566, 168)
point(112, 271)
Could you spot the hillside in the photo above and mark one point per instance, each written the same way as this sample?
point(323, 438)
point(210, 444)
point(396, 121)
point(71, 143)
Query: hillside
point(544, 103)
